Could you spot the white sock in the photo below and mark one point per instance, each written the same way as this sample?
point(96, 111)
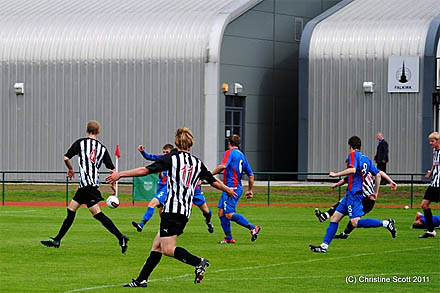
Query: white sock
point(323, 245)
point(385, 223)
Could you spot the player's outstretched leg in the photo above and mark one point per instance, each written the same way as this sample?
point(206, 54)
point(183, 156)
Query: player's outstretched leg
point(373, 223)
point(322, 217)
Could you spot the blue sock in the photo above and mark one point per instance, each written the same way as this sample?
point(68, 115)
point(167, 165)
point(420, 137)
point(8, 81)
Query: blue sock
point(240, 220)
point(330, 233)
point(226, 225)
point(147, 216)
point(369, 223)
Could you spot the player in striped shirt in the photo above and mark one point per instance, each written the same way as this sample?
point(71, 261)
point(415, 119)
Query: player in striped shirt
point(368, 201)
point(358, 166)
point(91, 154)
point(184, 173)
point(234, 164)
point(432, 193)
point(161, 194)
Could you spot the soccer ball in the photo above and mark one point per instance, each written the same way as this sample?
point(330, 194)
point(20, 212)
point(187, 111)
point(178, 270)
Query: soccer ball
point(112, 202)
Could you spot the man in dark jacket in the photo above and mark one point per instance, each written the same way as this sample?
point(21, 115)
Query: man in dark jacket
point(381, 157)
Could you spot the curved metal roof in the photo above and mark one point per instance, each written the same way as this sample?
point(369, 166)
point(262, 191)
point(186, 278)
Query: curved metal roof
point(375, 27)
point(112, 29)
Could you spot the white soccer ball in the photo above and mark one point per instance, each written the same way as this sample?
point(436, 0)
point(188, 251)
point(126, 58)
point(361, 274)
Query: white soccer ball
point(112, 202)
point(406, 207)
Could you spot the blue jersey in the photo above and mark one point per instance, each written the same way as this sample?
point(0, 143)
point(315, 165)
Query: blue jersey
point(435, 220)
point(236, 164)
point(162, 183)
point(363, 166)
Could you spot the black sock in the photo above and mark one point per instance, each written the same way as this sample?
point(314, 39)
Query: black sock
point(184, 256)
point(149, 265)
point(332, 210)
point(68, 221)
point(207, 217)
point(108, 224)
point(428, 220)
point(349, 228)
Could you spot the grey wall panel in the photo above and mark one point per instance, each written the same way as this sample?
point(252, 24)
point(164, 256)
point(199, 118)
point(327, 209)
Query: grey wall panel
point(247, 52)
point(268, 70)
point(304, 8)
point(245, 26)
point(258, 80)
point(286, 55)
point(285, 28)
point(266, 5)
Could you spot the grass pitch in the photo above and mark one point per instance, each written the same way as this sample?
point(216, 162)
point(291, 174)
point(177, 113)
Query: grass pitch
point(89, 258)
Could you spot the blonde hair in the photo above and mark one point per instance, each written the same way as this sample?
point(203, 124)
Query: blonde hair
point(93, 127)
point(184, 138)
point(434, 135)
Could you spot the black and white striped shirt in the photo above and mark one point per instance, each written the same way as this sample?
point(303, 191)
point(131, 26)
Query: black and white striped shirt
point(91, 154)
point(184, 171)
point(435, 175)
point(367, 185)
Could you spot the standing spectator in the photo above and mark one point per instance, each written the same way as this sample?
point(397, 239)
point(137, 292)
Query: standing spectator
point(381, 156)
point(433, 191)
point(91, 154)
point(184, 173)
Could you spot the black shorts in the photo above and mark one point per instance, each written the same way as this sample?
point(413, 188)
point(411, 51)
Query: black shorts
point(432, 194)
point(88, 195)
point(172, 224)
point(368, 204)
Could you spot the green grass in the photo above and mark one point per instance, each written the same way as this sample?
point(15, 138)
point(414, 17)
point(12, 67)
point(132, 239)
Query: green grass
point(279, 261)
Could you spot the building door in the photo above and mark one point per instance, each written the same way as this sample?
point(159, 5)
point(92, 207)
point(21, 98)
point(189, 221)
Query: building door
point(234, 118)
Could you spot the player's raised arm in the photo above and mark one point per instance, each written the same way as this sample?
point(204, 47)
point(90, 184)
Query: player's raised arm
point(137, 172)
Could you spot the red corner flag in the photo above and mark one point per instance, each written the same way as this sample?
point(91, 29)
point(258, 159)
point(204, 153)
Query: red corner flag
point(118, 152)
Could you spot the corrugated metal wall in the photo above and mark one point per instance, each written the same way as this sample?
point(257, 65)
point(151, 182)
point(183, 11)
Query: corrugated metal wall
point(135, 66)
point(353, 46)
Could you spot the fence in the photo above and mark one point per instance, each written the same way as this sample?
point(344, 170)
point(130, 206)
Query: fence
point(268, 175)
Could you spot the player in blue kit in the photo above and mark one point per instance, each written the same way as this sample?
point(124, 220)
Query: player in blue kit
point(420, 222)
point(161, 194)
point(368, 201)
point(234, 163)
point(358, 166)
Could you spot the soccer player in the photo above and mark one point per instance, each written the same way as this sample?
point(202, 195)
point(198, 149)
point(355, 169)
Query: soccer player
point(91, 154)
point(368, 201)
point(432, 193)
point(234, 163)
point(358, 166)
point(161, 194)
point(420, 222)
point(184, 172)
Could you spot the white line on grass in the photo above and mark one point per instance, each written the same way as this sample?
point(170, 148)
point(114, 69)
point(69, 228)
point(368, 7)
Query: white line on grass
point(268, 266)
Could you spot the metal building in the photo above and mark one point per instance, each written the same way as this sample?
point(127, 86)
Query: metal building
point(144, 68)
point(368, 66)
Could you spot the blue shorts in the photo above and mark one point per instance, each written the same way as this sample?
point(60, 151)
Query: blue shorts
point(198, 199)
point(351, 205)
point(161, 196)
point(227, 203)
